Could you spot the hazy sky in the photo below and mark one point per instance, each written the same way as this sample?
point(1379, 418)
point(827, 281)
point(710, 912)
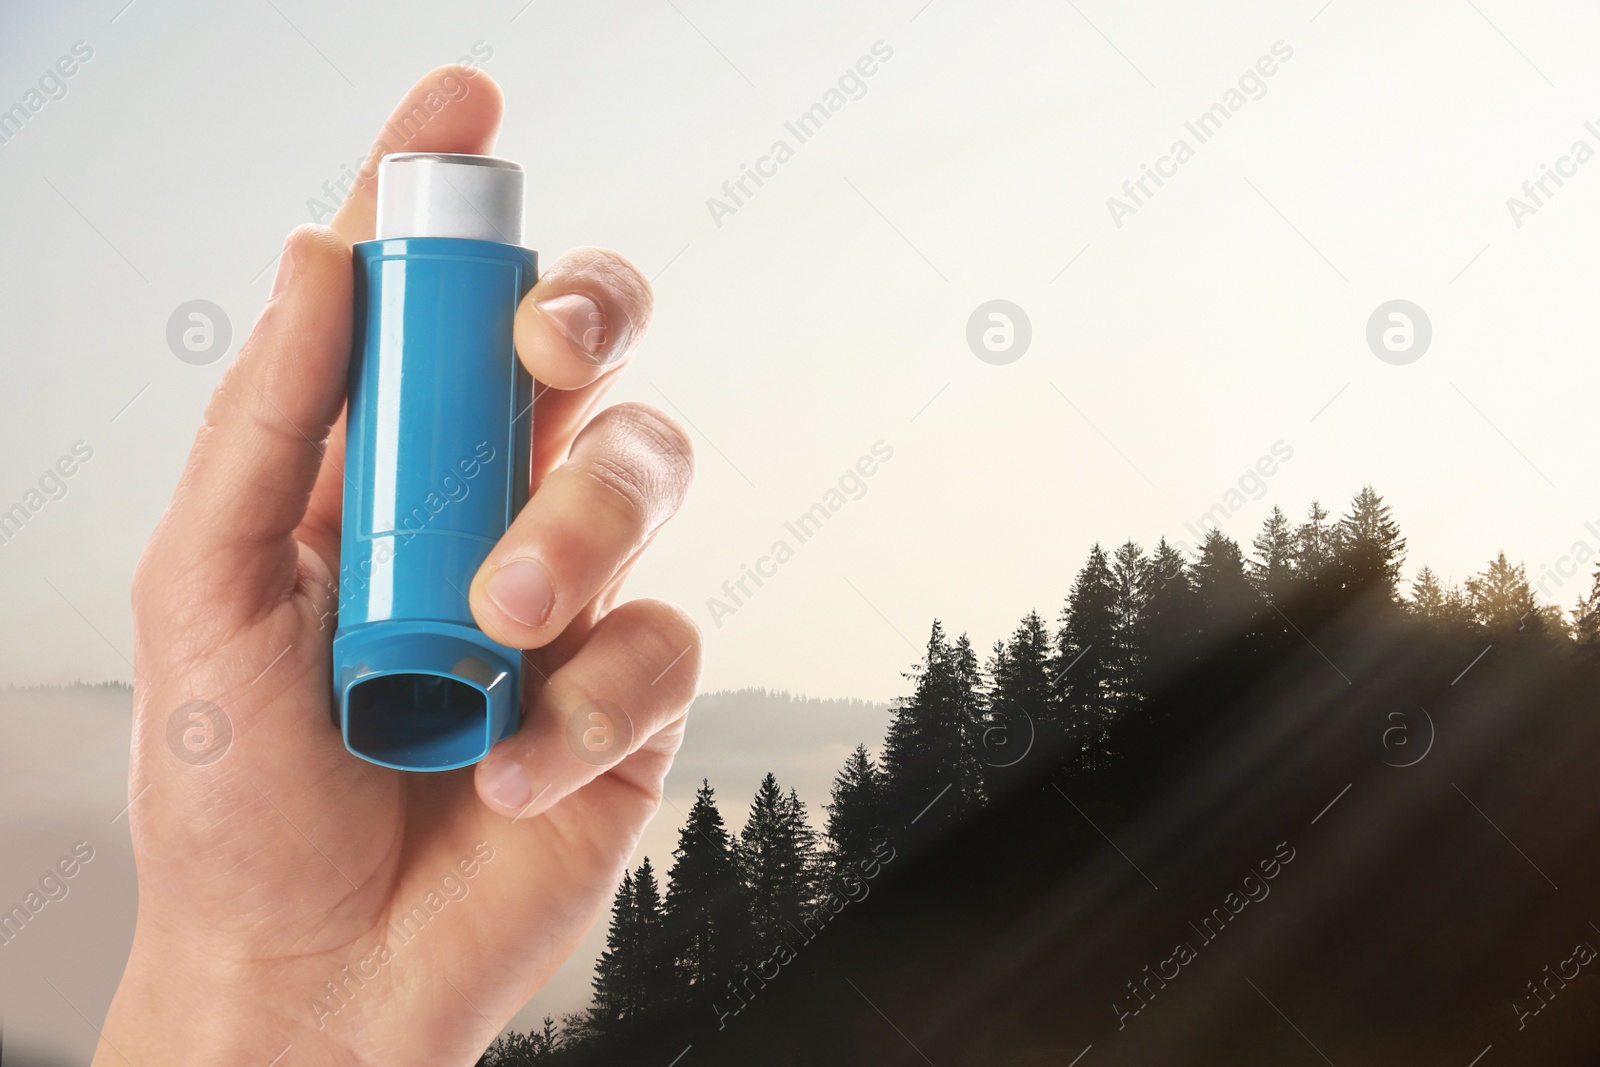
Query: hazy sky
point(1171, 348)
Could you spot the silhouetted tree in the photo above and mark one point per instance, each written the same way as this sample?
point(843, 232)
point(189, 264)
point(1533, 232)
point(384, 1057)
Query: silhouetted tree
point(1586, 615)
point(1128, 637)
point(931, 754)
point(1427, 600)
point(1500, 597)
point(657, 976)
point(524, 1050)
point(705, 912)
point(776, 852)
point(1172, 611)
point(1227, 600)
point(1273, 571)
point(967, 694)
point(855, 815)
point(1368, 545)
point(1017, 703)
point(1084, 667)
point(632, 976)
point(1315, 549)
point(617, 990)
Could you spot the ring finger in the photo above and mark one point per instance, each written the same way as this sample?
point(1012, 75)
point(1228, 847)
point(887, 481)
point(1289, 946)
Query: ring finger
point(627, 473)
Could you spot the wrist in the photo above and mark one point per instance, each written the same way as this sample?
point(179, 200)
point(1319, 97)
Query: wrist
point(177, 1010)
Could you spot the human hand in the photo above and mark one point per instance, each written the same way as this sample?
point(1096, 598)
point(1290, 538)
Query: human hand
point(302, 906)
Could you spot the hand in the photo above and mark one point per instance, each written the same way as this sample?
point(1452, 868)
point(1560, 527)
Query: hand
point(294, 896)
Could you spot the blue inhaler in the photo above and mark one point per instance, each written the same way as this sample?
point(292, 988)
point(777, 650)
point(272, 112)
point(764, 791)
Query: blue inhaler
point(436, 462)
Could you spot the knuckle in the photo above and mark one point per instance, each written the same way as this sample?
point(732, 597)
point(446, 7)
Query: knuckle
point(622, 482)
point(642, 457)
point(672, 639)
point(659, 433)
point(611, 269)
point(657, 652)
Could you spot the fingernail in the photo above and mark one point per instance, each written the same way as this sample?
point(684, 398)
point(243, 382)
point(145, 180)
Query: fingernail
point(506, 783)
point(523, 591)
point(579, 319)
point(280, 281)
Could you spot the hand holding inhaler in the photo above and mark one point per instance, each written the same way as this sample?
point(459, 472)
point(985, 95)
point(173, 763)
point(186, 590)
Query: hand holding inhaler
point(291, 893)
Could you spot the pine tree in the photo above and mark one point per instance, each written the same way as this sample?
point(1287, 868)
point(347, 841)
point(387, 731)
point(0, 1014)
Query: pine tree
point(655, 963)
point(1457, 607)
point(1083, 669)
point(1369, 548)
point(932, 744)
point(1227, 600)
point(1427, 600)
point(515, 1049)
point(776, 852)
point(999, 717)
point(855, 815)
point(1586, 615)
point(546, 1043)
point(706, 918)
point(1172, 613)
point(633, 975)
point(1500, 597)
point(798, 826)
point(1129, 641)
point(616, 992)
point(1272, 571)
point(1315, 546)
point(969, 711)
point(1017, 701)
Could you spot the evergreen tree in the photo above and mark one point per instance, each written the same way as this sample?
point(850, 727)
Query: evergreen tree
point(1427, 600)
point(616, 977)
point(632, 976)
point(931, 749)
point(1128, 637)
point(1368, 546)
point(1586, 615)
point(1018, 698)
point(1500, 597)
point(1315, 550)
point(1171, 611)
point(1457, 607)
point(969, 711)
point(776, 852)
point(1227, 600)
point(546, 1043)
point(1272, 571)
point(855, 815)
point(1084, 672)
point(998, 715)
point(515, 1049)
point(655, 963)
point(706, 919)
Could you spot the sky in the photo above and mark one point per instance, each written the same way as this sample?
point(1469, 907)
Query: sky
point(1176, 334)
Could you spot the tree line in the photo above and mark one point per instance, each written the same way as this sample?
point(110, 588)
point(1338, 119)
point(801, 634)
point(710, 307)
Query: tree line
point(692, 953)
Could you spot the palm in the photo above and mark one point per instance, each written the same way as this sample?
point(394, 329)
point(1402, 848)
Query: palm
point(321, 858)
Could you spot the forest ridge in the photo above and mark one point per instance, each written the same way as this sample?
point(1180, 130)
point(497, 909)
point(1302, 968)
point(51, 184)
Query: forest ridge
point(736, 909)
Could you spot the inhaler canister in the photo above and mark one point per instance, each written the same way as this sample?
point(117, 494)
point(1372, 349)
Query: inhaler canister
point(437, 439)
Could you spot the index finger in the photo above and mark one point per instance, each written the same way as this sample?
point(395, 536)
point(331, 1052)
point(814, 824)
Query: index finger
point(450, 109)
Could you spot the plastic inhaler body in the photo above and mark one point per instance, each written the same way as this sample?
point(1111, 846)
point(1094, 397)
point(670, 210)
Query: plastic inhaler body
point(436, 463)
